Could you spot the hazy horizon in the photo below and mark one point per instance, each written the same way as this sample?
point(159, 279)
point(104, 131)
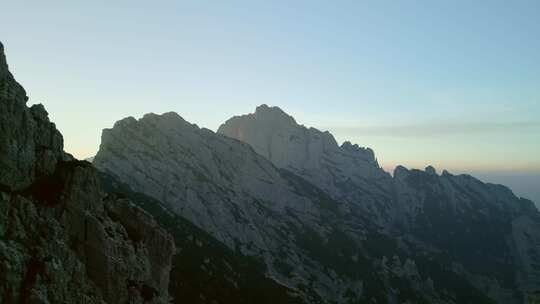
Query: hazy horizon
point(453, 85)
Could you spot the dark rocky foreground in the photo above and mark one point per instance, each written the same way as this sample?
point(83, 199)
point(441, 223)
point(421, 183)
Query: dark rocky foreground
point(62, 238)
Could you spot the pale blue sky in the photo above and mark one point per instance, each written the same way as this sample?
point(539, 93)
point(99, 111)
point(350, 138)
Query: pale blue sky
point(455, 84)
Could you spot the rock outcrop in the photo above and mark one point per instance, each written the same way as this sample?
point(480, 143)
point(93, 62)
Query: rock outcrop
point(484, 228)
point(30, 145)
point(490, 232)
point(323, 248)
point(62, 238)
point(204, 269)
point(348, 173)
point(220, 185)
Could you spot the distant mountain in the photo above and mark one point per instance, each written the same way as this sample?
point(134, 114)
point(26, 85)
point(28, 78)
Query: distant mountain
point(348, 173)
point(234, 194)
point(475, 224)
point(326, 220)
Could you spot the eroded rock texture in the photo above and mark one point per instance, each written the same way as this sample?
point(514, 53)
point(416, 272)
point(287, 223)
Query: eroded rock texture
point(321, 247)
point(348, 173)
point(62, 239)
point(484, 231)
point(326, 220)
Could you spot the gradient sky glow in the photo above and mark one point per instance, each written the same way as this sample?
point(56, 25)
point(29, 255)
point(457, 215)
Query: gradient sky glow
point(455, 84)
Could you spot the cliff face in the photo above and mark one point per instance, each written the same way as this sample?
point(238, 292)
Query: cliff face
point(30, 145)
point(322, 248)
point(348, 173)
point(62, 238)
point(204, 269)
point(492, 234)
point(221, 186)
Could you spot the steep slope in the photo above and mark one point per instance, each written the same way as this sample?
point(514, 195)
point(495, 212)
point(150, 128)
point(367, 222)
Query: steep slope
point(218, 184)
point(481, 230)
point(204, 269)
point(308, 241)
point(491, 233)
point(62, 239)
point(348, 172)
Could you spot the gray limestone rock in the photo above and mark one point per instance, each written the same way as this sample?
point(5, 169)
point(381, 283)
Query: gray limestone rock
point(349, 173)
point(322, 248)
point(62, 238)
point(486, 224)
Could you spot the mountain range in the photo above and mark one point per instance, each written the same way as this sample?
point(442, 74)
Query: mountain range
point(263, 210)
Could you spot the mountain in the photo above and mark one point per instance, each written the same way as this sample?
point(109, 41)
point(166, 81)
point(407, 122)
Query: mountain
point(485, 228)
point(204, 270)
point(62, 238)
point(325, 220)
point(224, 188)
point(71, 234)
point(265, 210)
point(491, 233)
point(348, 173)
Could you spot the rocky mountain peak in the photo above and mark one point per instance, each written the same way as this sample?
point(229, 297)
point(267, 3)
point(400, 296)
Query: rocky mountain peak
point(430, 170)
point(273, 114)
point(3, 63)
point(30, 145)
point(167, 116)
point(400, 172)
point(311, 154)
point(277, 136)
point(166, 120)
point(366, 153)
point(130, 120)
point(9, 88)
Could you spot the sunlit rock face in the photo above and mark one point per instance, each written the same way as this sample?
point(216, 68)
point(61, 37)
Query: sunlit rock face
point(484, 228)
point(228, 190)
point(306, 240)
point(275, 135)
point(62, 239)
point(349, 173)
point(368, 236)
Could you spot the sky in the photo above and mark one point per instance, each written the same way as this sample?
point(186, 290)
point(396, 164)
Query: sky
point(454, 84)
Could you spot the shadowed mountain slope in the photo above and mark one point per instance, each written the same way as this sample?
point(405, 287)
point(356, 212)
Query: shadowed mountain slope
point(62, 238)
point(321, 247)
point(485, 228)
